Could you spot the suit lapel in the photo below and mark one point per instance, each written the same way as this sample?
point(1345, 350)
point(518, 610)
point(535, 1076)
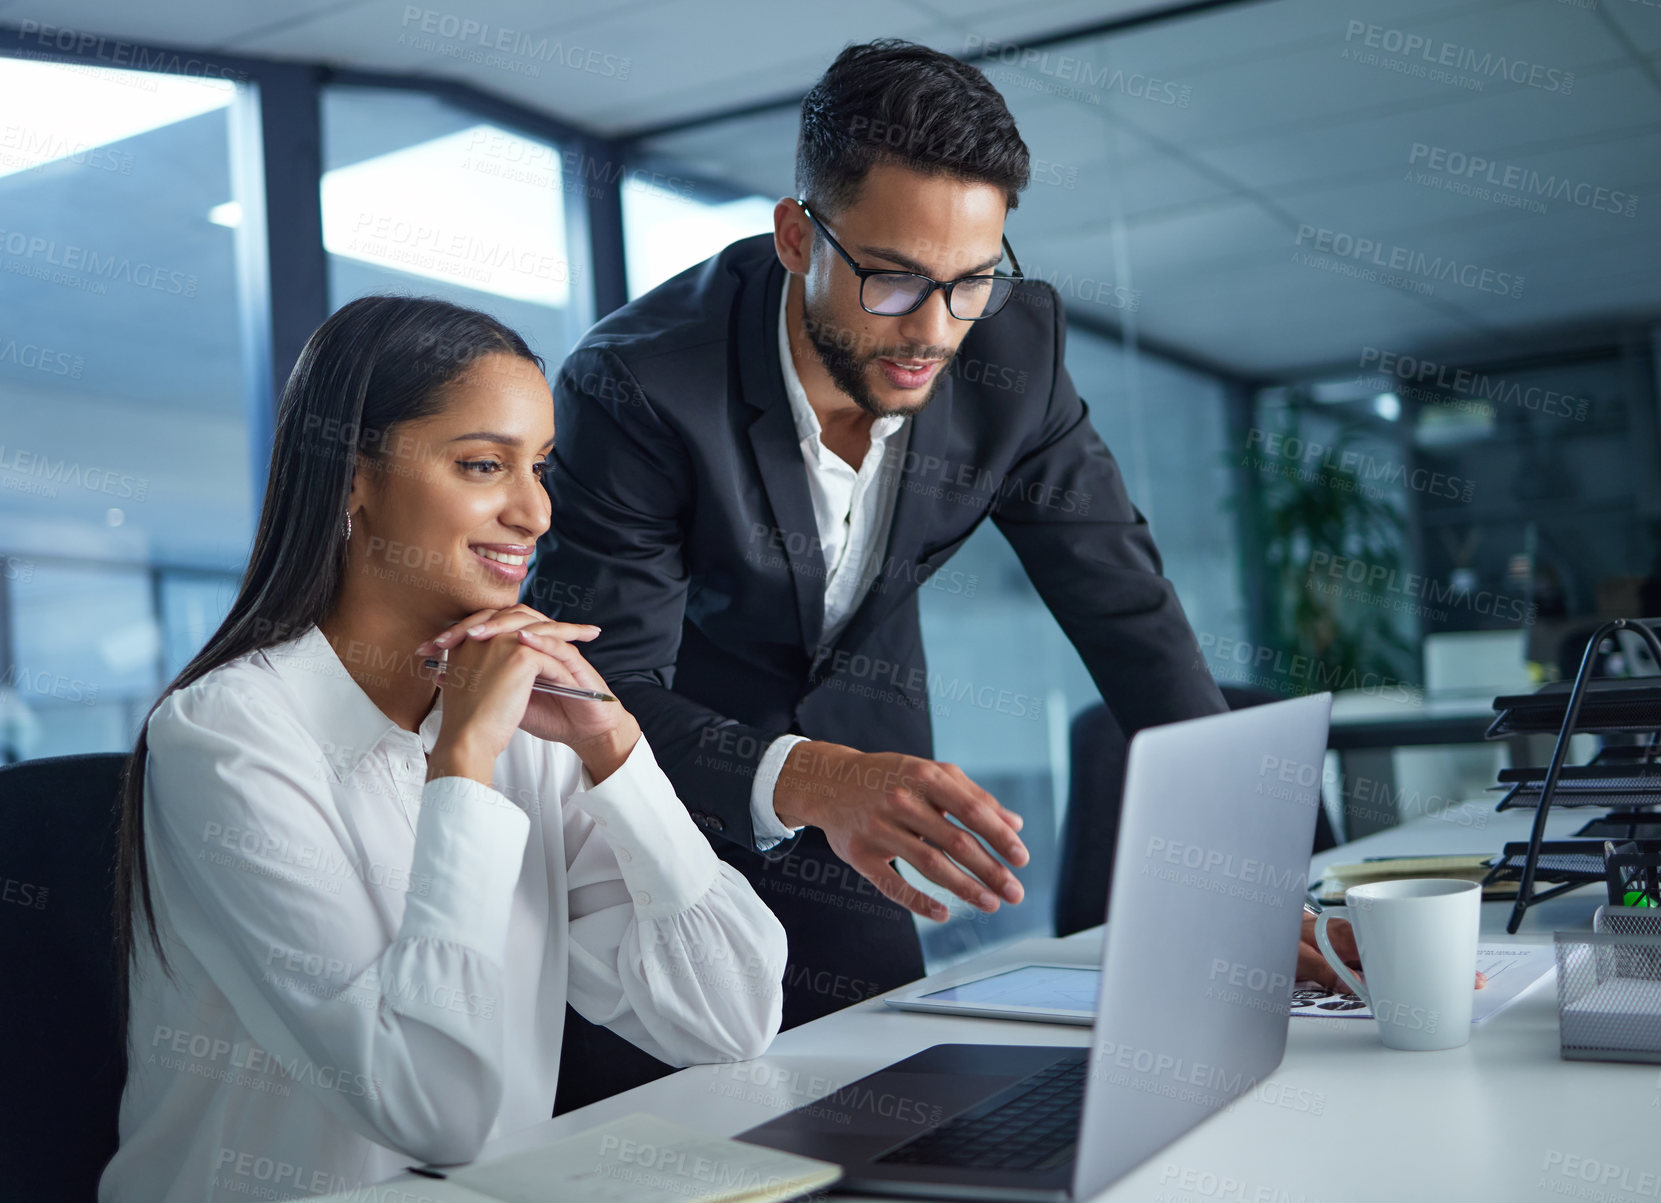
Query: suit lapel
point(777, 450)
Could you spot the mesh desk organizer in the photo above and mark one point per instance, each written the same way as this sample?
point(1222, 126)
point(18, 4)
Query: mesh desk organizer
point(1609, 987)
point(1626, 779)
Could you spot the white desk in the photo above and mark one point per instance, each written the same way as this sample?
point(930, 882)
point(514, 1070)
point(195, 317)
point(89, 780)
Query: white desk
point(1343, 1119)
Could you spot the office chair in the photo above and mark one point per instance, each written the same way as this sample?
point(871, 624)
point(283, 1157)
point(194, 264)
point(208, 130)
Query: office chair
point(63, 1058)
point(1095, 795)
point(62, 1062)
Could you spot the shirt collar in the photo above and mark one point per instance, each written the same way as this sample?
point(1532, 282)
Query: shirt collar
point(333, 707)
point(808, 429)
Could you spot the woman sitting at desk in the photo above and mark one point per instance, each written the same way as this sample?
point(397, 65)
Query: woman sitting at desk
point(355, 899)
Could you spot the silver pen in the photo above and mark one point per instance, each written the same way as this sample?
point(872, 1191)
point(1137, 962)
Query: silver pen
point(566, 691)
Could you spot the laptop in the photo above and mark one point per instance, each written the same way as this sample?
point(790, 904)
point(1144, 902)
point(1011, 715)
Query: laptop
point(1197, 969)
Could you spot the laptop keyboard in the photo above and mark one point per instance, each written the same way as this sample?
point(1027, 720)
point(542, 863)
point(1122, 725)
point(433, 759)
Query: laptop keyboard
point(1030, 1125)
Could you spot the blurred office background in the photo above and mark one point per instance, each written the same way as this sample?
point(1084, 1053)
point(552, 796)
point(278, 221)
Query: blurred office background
point(1363, 300)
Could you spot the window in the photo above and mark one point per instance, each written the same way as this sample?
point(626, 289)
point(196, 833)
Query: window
point(126, 457)
point(668, 226)
point(424, 198)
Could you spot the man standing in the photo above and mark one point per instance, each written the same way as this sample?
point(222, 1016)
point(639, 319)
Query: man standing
point(759, 462)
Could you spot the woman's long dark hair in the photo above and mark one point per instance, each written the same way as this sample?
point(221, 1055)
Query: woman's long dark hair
point(377, 362)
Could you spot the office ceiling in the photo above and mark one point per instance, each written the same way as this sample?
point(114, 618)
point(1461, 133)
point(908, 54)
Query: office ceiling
point(1208, 225)
point(612, 66)
point(1216, 213)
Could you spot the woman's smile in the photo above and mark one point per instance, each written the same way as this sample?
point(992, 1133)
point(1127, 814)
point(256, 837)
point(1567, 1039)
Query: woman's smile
point(504, 561)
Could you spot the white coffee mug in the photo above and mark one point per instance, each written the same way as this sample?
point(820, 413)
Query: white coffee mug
point(1417, 940)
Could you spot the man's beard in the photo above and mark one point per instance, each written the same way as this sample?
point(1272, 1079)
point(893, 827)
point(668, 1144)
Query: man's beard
point(848, 368)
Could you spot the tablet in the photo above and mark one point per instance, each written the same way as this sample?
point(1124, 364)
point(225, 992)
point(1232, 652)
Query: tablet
point(1035, 991)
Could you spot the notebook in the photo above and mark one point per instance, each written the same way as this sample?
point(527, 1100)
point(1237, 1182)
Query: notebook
point(1335, 879)
point(639, 1158)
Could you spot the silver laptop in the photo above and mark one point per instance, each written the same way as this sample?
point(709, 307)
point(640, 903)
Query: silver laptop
point(1197, 970)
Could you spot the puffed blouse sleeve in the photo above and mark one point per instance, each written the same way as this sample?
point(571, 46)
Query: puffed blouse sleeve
point(670, 947)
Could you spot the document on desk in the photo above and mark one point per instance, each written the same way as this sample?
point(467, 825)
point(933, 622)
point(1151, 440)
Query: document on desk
point(1512, 970)
point(643, 1159)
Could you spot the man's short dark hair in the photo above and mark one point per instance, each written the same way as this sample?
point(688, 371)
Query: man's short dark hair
point(893, 101)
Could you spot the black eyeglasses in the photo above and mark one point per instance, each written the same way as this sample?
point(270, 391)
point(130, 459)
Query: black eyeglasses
point(888, 293)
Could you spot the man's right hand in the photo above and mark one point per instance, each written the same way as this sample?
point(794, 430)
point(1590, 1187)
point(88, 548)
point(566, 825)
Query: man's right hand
point(876, 806)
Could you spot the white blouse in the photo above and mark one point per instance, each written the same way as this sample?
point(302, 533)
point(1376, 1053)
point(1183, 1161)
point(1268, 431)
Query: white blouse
point(371, 969)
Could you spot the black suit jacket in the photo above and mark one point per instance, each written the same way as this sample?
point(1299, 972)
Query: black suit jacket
point(682, 526)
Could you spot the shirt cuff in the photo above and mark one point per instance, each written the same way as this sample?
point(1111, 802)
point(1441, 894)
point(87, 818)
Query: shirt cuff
point(469, 849)
point(667, 863)
point(769, 830)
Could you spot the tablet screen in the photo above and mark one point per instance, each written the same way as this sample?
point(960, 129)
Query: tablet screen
point(1039, 987)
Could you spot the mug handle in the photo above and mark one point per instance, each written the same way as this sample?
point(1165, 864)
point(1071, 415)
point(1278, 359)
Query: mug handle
point(1324, 943)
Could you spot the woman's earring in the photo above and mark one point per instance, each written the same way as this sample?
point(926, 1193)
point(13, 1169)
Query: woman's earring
point(348, 526)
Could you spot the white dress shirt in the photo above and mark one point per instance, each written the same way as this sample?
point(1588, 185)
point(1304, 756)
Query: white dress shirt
point(371, 968)
point(852, 510)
